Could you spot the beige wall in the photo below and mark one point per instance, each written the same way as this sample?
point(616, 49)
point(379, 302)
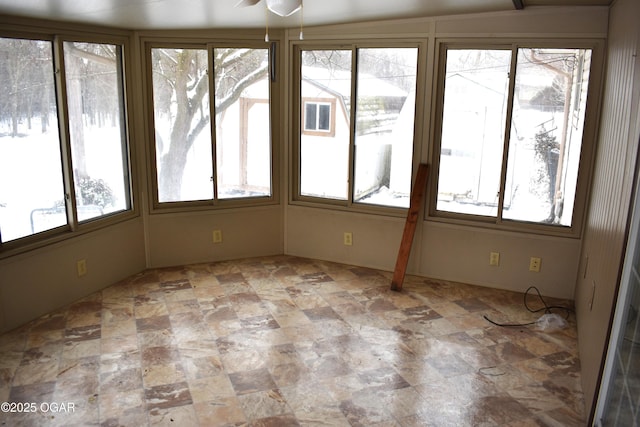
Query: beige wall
point(45, 279)
point(440, 251)
point(178, 239)
point(318, 233)
point(462, 254)
point(606, 227)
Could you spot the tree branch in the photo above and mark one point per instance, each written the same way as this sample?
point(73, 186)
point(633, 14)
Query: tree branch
point(239, 87)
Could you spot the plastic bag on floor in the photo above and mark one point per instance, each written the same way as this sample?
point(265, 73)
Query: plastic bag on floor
point(550, 322)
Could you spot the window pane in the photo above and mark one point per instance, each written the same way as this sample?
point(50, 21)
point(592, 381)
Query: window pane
point(243, 136)
point(311, 116)
point(31, 183)
point(182, 118)
point(324, 157)
point(546, 134)
point(96, 128)
point(385, 113)
point(324, 117)
point(473, 124)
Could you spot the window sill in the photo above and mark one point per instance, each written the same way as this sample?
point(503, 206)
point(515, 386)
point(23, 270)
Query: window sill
point(210, 206)
point(509, 226)
point(359, 208)
point(62, 234)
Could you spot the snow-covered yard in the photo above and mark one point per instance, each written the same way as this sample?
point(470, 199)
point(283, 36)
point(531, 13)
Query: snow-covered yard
point(31, 175)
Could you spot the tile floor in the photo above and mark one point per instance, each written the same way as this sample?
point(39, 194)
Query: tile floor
point(283, 341)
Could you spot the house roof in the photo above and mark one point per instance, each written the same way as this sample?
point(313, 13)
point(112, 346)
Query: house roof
point(338, 82)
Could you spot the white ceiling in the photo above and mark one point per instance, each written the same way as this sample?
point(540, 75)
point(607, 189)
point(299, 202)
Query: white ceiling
point(186, 14)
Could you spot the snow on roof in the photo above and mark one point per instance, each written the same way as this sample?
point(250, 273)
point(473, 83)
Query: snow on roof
point(339, 82)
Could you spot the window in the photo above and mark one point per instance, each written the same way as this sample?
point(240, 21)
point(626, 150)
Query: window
point(96, 128)
point(42, 190)
point(319, 117)
point(190, 148)
point(511, 134)
point(369, 163)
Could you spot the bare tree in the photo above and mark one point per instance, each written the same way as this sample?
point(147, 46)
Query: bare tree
point(90, 73)
point(27, 68)
point(181, 89)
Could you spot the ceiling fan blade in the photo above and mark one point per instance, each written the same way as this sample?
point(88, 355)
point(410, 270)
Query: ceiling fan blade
point(284, 7)
point(245, 3)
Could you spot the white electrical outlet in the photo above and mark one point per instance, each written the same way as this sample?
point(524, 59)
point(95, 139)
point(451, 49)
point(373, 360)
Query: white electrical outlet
point(348, 239)
point(81, 267)
point(534, 264)
point(494, 258)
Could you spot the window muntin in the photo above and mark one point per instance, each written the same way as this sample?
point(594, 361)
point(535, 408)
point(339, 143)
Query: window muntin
point(32, 195)
point(369, 163)
point(93, 73)
point(38, 173)
point(516, 180)
point(238, 154)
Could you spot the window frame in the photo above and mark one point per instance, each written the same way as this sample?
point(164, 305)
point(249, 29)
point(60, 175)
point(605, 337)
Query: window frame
point(589, 135)
point(297, 123)
point(156, 207)
point(75, 227)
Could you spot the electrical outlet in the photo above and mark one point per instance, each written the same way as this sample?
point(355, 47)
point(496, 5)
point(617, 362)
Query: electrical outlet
point(348, 239)
point(494, 258)
point(81, 267)
point(534, 264)
point(217, 236)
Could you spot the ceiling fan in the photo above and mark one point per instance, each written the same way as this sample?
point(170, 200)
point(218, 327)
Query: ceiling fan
point(279, 7)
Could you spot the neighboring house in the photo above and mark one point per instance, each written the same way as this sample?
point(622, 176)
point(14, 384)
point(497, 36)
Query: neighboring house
point(465, 152)
point(472, 142)
point(242, 136)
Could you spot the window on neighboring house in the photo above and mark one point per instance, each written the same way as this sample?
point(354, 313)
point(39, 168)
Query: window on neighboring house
point(198, 159)
point(44, 190)
point(369, 164)
point(319, 117)
point(510, 140)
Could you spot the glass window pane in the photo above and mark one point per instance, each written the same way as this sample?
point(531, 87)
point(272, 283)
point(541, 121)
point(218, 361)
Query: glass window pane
point(311, 116)
point(324, 117)
point(385, 113)
point(31, 183)
point(324, 157)
point(243, 135)
point(96, 128)
point(182, 121)
point(546, 134)
point(473, 124)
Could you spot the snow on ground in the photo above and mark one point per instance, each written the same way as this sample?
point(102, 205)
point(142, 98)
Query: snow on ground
point(31, 174)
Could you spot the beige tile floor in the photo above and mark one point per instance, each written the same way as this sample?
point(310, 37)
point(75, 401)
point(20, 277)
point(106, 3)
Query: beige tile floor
point(285, 341)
